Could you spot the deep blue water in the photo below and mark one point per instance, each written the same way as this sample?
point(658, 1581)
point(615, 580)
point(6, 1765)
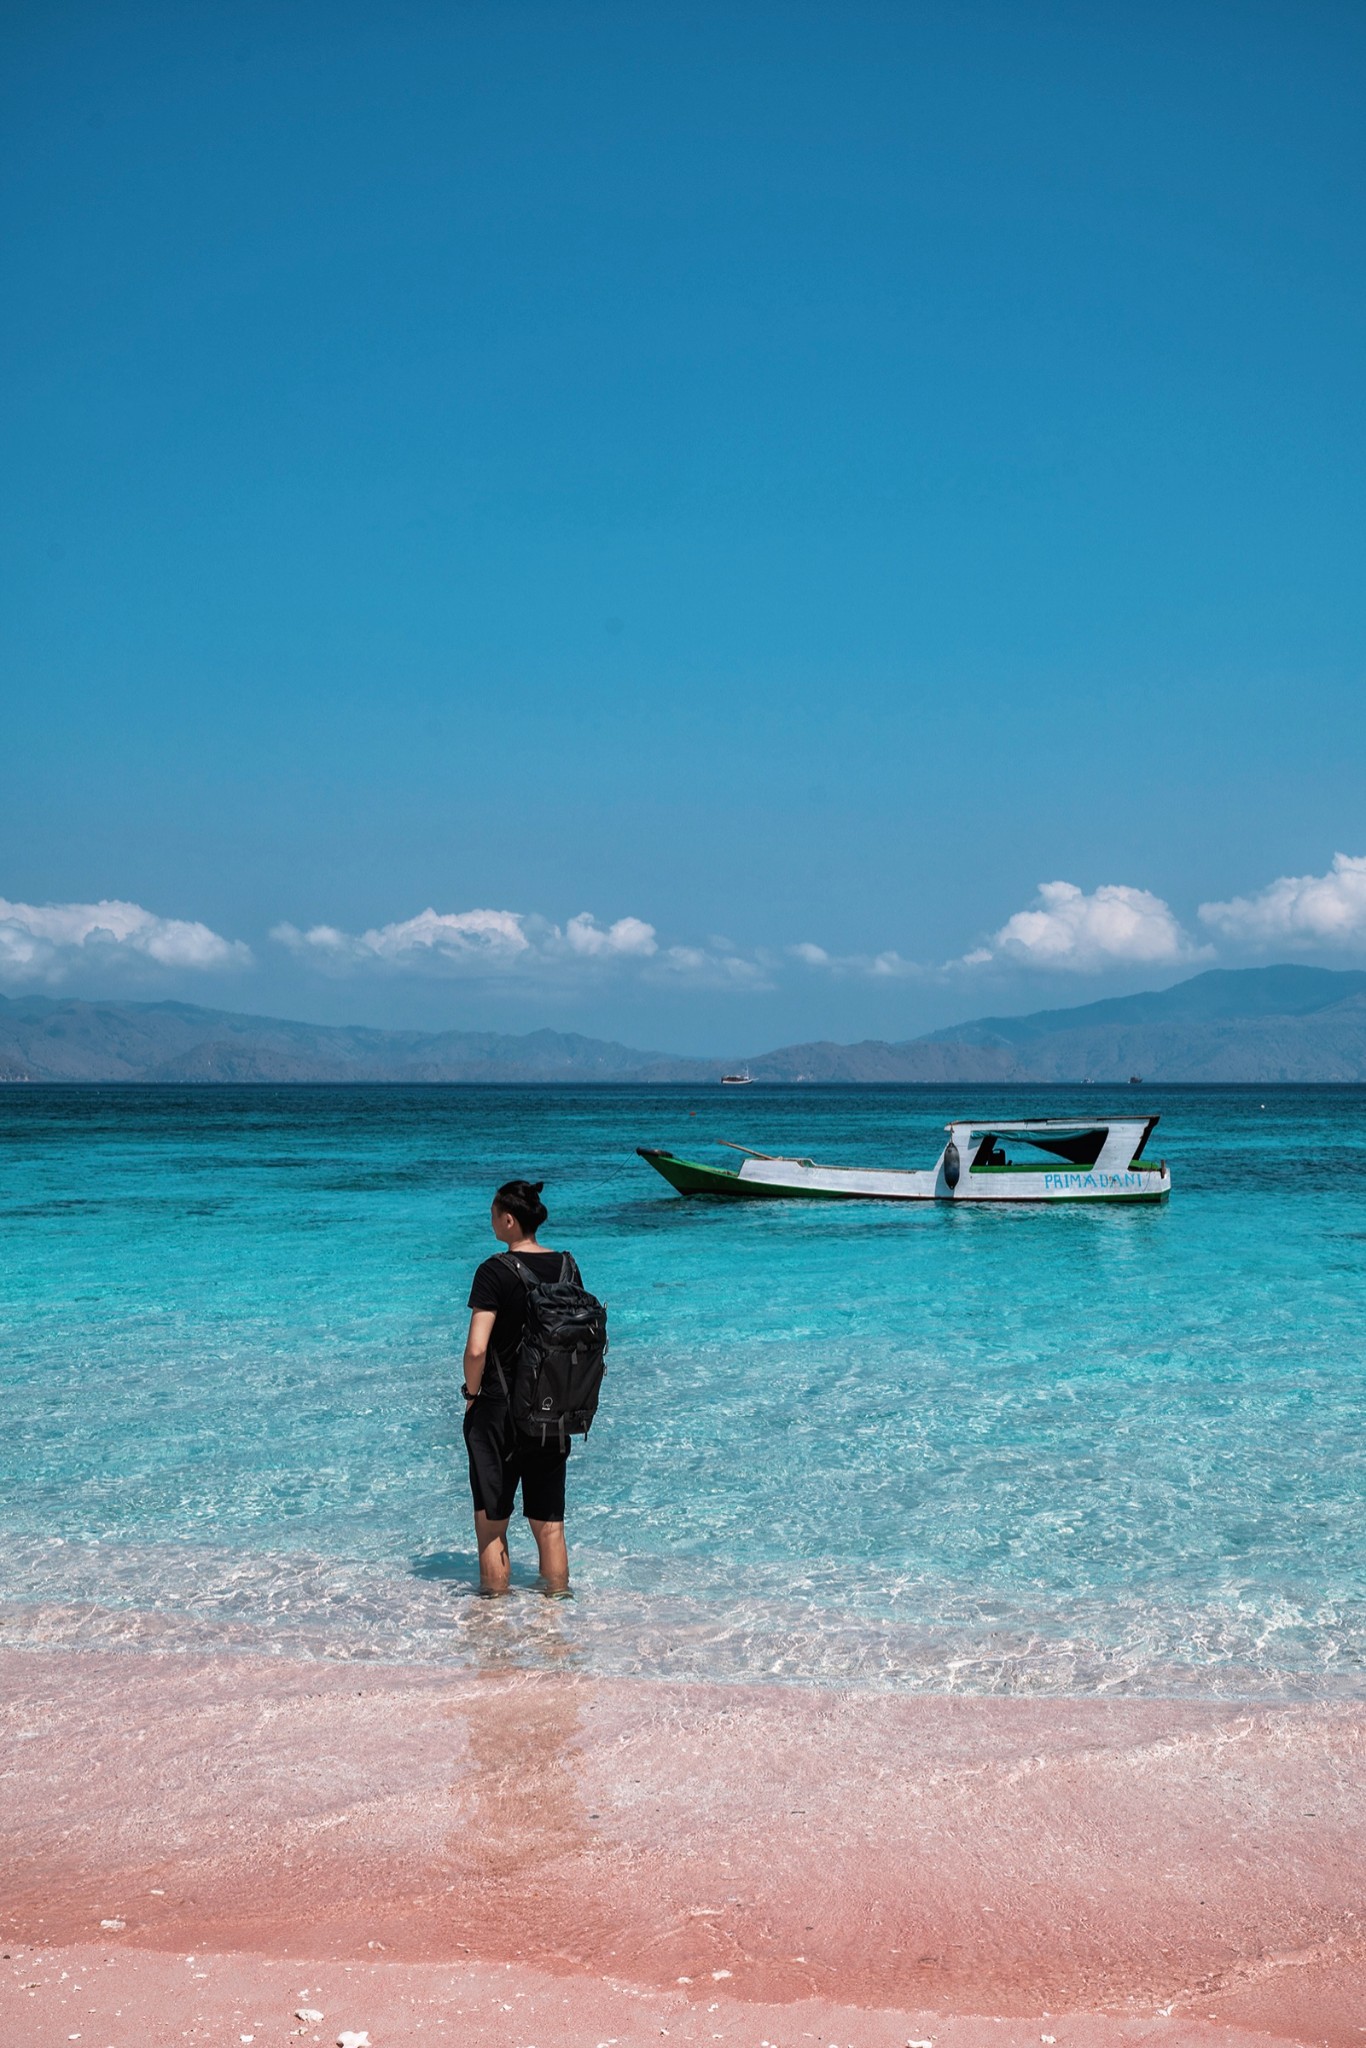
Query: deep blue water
point(1076, 1449)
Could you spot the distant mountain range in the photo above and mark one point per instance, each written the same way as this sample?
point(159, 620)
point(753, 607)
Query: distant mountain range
point(1231, 1024)
point(46, 1040)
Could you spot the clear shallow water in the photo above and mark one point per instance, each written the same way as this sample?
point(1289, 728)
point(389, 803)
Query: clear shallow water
point(1082, 1450)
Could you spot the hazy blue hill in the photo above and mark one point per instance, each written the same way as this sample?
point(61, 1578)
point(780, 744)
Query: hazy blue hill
point(874, 1059)
point(1281, 1023)
point(1219, 994)
point(42, 1039)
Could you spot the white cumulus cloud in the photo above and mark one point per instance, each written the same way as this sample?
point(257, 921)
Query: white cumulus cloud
point(628, 937)
point(1067, 929)
point(44, 942)
point(1322, 910)
point(460, 937)
point(885, 966)
point(717, 966)
point(473, 941)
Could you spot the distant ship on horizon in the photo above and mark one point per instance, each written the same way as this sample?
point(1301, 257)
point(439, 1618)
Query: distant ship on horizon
point(742, 1080)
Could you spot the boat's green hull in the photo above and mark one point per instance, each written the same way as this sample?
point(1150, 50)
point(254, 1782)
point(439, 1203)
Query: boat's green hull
point(690, 1178)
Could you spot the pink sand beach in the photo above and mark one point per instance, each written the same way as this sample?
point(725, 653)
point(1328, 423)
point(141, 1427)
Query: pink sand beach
point(200, 1849)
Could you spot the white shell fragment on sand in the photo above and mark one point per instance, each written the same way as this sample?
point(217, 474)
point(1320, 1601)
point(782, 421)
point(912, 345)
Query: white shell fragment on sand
point(353, 2041)
point(113, 1926)
point(309, 2013)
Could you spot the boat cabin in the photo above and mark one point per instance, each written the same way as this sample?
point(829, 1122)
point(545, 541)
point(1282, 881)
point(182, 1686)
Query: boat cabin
point(1111, 1145)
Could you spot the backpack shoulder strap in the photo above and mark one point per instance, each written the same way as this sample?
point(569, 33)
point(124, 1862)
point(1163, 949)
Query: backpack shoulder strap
point(528, 1279)
point(568, 1269)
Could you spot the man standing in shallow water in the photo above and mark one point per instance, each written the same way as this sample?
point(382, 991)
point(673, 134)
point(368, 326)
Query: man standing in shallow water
point(500, 1456)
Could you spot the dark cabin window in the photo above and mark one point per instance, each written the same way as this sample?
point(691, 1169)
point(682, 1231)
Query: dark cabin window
point(989, 1153)
point(1082, 1150)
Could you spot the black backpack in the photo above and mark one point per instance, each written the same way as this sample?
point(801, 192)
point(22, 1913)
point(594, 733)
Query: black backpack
point(557, 1373)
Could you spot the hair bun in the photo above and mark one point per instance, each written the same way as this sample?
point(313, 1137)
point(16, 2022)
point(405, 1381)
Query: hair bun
point(522, 1199)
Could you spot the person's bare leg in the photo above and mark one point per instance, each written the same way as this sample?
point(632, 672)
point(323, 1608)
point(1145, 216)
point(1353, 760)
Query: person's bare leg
point(495, 1571)
point(553, 1553)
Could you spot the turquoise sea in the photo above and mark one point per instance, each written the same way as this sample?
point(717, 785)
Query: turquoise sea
point(1076, 1450)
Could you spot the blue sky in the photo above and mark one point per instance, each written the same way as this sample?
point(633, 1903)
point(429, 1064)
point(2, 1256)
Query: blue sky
point(715, 504)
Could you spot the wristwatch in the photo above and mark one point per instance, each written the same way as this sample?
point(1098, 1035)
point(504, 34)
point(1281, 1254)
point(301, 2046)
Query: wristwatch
point(466, 1392)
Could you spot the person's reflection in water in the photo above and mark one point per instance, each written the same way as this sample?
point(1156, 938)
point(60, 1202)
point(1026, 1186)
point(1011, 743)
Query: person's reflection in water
point(520, 1816)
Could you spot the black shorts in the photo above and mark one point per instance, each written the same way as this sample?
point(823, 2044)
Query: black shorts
point(501, 1458)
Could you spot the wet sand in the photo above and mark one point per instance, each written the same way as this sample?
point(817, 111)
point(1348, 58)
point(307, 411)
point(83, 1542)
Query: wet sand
point(540, 1858)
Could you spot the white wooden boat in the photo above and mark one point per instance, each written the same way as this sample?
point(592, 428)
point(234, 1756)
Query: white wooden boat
point(1084, 1159)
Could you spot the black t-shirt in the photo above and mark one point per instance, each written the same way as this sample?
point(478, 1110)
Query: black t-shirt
point(497, 1286)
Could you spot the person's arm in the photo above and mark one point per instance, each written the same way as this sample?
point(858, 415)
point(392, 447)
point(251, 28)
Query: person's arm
point(477, 1349)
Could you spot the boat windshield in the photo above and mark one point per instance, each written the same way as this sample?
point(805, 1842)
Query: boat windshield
point(1079, 1148)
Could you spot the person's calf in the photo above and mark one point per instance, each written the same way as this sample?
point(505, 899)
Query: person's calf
point(553, 1553)
point(495, 1569)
